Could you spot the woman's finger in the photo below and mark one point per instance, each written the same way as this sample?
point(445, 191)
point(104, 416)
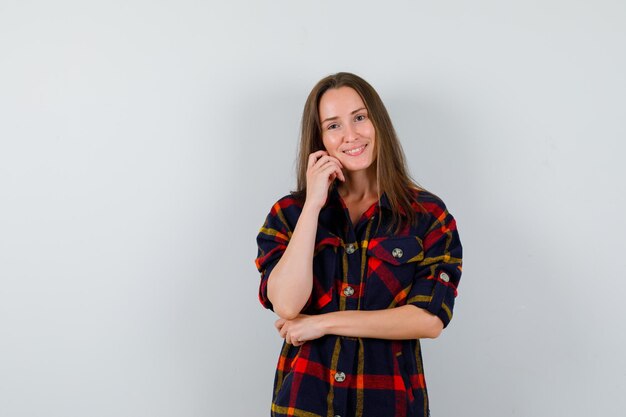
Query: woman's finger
point(313, 158)
point(332, 158)
point(327, 158)
point(331, 168)
point(341, 176)
point(283, 332)
point(319, 163)
point(339, 173)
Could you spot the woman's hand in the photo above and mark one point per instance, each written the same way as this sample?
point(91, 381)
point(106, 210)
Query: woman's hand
point(322, 170)
point(301, 329)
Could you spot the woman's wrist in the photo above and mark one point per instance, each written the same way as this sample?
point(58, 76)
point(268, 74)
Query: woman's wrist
point(311, 209)
point(325, 323)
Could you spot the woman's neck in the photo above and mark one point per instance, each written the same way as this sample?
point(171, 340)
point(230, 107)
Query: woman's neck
point(359, 185)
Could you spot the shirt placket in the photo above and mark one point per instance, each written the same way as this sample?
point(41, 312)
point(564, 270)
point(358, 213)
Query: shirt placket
point(351, 273)
point(345, 374)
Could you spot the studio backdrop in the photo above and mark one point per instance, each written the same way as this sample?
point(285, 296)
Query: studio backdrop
point(143, 143)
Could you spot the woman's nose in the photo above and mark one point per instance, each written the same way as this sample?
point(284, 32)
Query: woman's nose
point(350, 133)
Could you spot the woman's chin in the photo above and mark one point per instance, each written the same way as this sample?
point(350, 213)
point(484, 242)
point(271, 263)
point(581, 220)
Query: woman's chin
point(357, 166)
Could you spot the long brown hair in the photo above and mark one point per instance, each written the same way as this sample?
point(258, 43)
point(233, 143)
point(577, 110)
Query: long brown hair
point(391, 171)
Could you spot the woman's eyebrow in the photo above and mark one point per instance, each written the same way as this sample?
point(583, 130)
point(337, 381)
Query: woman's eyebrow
point(329, 119)
point(337, 117)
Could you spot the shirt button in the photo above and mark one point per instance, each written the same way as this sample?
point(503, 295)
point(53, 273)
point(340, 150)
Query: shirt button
point(350, 249)
point(444, 277)
point(397, 253)
point(348, 291)
point(340, 377)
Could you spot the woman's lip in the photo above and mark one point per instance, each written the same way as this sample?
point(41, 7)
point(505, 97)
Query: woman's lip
point(361, 150)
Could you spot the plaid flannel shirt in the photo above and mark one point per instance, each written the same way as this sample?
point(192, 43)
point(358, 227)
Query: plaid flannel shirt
point(362, 267)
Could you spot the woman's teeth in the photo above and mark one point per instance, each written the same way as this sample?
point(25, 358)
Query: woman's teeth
point(355, 151)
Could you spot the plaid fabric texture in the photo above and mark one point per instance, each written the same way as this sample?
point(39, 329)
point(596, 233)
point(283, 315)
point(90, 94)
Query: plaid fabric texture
point(361, 267)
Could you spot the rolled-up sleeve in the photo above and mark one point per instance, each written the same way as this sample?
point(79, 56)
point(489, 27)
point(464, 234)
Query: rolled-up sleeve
point(437, 278)
point(272, 241)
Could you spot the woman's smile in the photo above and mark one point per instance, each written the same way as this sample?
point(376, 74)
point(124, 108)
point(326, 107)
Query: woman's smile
point(355, 151)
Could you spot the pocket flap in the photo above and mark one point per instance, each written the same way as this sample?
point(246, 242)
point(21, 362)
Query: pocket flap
point(324, 238)
point(396, 250)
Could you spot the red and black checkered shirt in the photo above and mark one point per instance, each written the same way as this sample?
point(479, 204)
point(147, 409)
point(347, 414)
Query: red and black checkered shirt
point(362, 267)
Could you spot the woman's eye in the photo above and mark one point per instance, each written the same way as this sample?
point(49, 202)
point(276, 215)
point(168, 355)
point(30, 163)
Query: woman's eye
point(360, 117)
point(332, 126)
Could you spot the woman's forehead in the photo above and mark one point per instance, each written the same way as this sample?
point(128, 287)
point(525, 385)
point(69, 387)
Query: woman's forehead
point(339, 101)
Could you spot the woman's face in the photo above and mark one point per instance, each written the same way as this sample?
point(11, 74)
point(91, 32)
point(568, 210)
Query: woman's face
point(347, 131)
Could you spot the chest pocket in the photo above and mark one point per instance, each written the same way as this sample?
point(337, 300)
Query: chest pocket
point(324, 269)
point(392, 265)
point(325, 256)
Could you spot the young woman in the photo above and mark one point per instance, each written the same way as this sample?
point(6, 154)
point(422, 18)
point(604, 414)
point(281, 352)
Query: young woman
point(359, 263)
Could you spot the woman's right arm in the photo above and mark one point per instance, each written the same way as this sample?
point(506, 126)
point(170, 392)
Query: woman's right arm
point(290, 283)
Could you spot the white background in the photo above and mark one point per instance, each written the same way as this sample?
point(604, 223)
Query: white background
point(142, 143)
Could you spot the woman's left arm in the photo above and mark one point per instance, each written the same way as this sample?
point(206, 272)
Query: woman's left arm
point(399, 323)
